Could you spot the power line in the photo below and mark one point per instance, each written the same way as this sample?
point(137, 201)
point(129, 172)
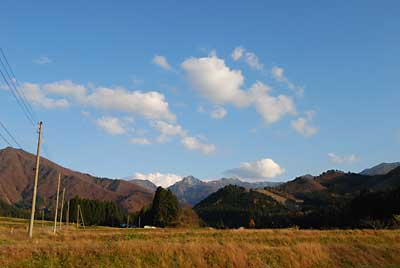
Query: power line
point(17, 99)
point(17, 84)
point(5, 140)
point(15, 92)
point(9, 134)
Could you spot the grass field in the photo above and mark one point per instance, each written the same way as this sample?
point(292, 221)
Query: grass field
point(186, 248)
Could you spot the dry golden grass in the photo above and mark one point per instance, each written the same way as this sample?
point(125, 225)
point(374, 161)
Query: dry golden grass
point(186, 248)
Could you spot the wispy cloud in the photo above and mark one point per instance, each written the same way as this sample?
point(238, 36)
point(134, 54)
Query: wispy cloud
point(278, 73)
point(302, 125)
point(111, 125)
point(345, 159)
point(140, 141)
point(249, 57)
point(42, 60)
point(162, 62)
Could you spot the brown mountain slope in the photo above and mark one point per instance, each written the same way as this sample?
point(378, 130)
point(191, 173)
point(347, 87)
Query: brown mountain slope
point(301, 185)
point(16, 182)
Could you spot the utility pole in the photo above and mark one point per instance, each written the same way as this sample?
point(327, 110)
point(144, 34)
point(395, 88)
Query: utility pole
point(77, 217)
point(58, 193)
point(62, 207)
point(68, 213)
point(42, 216)
point(81, 214)
point(139, 221)
point(127, 222)
point(35, 182)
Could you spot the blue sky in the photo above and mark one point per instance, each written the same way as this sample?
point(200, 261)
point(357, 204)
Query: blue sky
point(311, 86)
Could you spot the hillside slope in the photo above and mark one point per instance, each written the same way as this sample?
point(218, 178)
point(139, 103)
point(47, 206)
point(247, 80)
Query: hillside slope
point(381, 169)
point(16, 183)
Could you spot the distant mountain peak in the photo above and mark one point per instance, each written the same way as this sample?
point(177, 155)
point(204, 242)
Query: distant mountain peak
point(381, 169)
point(190, 180)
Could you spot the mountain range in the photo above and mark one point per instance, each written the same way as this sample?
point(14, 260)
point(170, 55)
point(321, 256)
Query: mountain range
point(191, 190)
point(332, 199)
point(17, 172)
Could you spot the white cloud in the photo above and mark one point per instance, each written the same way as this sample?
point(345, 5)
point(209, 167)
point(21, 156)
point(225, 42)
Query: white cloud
point(200, 109)
point(257, 171)
point(218, 112)
point(42, 60)
point(141, 141)
point(151, 105)
point(167, 130)
point(35, 95)
point(301, 125)
point(237, 53)
point(271, 108)
point(278, 74)
point(249, 57)
point(159, 179)
point(66, 88)
point(215, 81)
point(346, 159)
point(162, 62)
point(111, 125)
point(193, 143)
point(221, 85)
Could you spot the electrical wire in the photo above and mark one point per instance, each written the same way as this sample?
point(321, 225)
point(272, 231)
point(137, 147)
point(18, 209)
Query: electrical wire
point(9, 134)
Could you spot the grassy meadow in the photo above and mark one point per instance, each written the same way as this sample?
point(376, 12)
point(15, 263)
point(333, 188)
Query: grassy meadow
point(113, 247)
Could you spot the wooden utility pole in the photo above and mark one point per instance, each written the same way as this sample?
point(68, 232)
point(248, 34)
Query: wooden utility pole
point(68, 214)
point(35, 182)
point(127, 222)
point(62, 207)
point(77, 216)
point(42, 216)
point(56, 212)
point(81, 214)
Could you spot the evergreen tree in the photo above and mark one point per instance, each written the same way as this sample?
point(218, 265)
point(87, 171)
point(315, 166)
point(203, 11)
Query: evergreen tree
point(165, 208)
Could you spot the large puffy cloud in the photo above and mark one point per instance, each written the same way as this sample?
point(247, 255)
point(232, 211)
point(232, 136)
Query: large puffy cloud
point(345, 159)
point(302, 125)
point(215, 81)
point(159, 179)
point(111, 125)
point(221, 85)
point(151, 104)
point(259, 170)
